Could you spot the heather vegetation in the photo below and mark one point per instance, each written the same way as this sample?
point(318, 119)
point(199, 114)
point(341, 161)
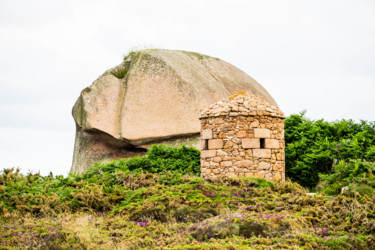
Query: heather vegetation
point(159, 201)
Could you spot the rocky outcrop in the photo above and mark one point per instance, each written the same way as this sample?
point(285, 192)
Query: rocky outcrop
point(153, 96)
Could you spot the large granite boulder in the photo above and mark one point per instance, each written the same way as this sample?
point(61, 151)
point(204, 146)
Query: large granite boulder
point(153, 96)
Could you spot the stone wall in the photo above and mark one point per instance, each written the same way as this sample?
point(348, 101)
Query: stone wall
point(243, 146)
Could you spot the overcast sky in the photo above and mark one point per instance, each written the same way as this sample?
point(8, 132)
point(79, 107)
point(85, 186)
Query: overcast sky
point(313, 55)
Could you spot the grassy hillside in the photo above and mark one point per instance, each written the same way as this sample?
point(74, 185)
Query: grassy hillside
point(159, 201)
point(146, 210)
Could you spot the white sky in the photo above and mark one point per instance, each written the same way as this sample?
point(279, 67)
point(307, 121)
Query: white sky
point(314, 55)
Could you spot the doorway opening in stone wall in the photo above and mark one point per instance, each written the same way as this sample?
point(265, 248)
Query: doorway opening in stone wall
point(262, 143)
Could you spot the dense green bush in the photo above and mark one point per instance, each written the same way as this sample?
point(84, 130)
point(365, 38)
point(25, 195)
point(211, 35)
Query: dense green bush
point(314, 147)
point(159, 159)
point(355, 174)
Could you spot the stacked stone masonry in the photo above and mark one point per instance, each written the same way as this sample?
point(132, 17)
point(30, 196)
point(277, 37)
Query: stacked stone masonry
point(243, 136)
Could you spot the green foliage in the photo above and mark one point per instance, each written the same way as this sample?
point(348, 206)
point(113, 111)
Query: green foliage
point(363, 189)
point(101, 187)
point(313, 147)
point(120, 73)
point(114, 207)
point(159, 159)
point(159, 201)
point(356, 174)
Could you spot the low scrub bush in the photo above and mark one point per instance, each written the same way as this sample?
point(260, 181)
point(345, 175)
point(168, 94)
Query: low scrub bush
point(149, 210)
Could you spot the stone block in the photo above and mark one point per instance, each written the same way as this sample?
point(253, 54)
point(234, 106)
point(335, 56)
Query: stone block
point(262, 133)
point(206, 134)
point(208, 153)
point(226, 163)
point(249, 174)
point(215, 164)
point(269, 125)
point(278, 167)
point(259, 174)
point(228, 158)
point(223, 153)
point(241, 134)
point(277, 176)
point(250, 143)
point(268, 176)
point(280, 157)
point(271, 143)
point(204, 144)
point(216, 171)
point(244, 163)
point(254, 124)
point(215, 143)
point(262, 153)
point(228, 144)
point(222, 135)
point(264, 166)
point(217, 159)
point(219, 121)
point(205, 164)
point(231, 174)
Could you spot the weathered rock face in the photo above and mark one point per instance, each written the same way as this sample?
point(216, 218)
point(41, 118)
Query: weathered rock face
point(153, 96)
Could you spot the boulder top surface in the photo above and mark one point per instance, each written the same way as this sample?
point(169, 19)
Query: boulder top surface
point(156, 94)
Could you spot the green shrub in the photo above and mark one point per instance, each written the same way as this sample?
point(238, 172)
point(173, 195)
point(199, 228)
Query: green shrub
point(159, 159)
point(346, 174)
point(313, 147)
point(364, 189)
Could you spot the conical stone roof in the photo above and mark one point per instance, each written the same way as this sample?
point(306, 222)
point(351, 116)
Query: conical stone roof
point(244, 104)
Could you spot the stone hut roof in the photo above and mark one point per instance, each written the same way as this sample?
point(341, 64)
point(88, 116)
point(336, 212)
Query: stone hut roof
point(244, 104)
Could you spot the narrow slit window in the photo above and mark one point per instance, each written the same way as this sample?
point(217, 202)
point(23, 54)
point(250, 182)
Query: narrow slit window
point(205, 144)
point(262, 142)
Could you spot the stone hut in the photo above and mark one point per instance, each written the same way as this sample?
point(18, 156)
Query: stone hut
point(243, 136)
